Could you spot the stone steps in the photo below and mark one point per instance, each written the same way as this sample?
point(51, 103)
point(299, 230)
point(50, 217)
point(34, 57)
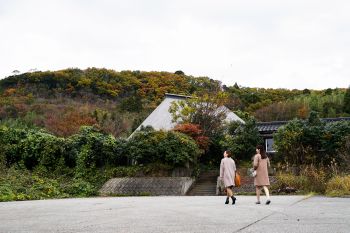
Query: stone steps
point(205, 184)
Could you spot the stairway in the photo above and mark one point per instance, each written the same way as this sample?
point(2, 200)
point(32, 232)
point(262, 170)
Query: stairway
point(205, 184)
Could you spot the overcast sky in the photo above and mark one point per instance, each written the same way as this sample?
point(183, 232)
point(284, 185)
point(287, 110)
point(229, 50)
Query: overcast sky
point(272, 43)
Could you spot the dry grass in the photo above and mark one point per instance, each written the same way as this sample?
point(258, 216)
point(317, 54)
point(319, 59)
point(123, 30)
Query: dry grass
point(338, 186)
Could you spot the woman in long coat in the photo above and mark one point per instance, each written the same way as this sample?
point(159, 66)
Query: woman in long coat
point(261, 179)
point(227, 174)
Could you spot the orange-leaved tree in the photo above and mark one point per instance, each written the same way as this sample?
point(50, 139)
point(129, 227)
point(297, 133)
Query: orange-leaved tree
point(195, 132)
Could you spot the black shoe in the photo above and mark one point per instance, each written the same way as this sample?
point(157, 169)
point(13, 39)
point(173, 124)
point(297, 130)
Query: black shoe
point(227, 201)
point(233, 200)
point(258, 202)
point(268, 202)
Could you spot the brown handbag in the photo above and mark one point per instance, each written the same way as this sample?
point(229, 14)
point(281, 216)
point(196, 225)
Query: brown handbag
point(237, 180)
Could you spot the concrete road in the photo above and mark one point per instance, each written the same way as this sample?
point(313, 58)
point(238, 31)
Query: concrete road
point(177, 214)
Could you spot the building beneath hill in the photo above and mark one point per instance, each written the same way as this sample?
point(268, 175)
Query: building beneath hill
point(161, 118)
point(267, 129)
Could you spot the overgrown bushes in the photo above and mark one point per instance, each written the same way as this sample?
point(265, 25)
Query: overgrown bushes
point(36, 164)
point(171, 147)
point(318, 180)
point(338, 186)
point(22, 184)
point(312, 141)
point(93, 150)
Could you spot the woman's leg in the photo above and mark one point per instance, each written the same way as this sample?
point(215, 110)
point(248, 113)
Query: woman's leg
point(228, 195)
point(266, 190)
point(257, 190)
point(267, 194)
point(233, 197)
point(229, 192)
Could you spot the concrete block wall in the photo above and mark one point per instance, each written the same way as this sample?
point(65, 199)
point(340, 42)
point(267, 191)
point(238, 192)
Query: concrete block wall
point(147, 186)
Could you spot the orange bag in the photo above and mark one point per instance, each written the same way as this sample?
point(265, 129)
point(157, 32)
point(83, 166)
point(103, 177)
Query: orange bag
point(237, 180)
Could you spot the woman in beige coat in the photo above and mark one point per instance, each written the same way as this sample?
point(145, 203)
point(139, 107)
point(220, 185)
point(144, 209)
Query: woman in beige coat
point(227, 174)
point(261, 179)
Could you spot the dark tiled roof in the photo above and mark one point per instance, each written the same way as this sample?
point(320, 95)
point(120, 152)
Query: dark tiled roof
point(177, 95)
point(270, 126)
point(336, 119)
point(267, 127)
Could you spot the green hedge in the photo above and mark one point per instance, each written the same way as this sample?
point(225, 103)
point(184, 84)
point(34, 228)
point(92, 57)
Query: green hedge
point(35, 164)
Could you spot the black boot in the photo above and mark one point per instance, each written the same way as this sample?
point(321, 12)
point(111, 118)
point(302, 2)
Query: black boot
point(227, 200)
point(233, 200)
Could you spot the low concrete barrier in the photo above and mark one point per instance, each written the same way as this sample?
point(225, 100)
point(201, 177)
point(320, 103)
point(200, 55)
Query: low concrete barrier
point(172, 186)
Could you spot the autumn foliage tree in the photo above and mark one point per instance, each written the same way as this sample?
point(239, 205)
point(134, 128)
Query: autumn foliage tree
point(195, 132)
point(207, 111)
point(68, 124)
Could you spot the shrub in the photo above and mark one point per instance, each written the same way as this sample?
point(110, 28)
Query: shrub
point(95, 148)
point(20, 184)
point(170, 147)
point(9, 141)
point(288, 180)
point(41, 148)
point(312, 141)
point(79, 188)
point(335, 140)
point(316, 179)
point(310, 179)
point(338, 186)
point(123, 171)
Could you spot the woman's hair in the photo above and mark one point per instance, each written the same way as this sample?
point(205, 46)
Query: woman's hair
point(229, 154)
point(262, 151)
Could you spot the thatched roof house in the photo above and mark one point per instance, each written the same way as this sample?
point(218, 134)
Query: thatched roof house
point(161, 118)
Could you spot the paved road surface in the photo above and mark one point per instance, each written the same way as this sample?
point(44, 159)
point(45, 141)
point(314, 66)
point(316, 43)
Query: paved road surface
point(177, 214)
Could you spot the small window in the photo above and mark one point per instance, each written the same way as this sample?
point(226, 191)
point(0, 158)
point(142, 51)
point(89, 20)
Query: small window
point(269, 145)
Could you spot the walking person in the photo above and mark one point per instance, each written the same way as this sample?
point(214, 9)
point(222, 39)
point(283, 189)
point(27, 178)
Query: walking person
point(227, 174)
point(261, 179)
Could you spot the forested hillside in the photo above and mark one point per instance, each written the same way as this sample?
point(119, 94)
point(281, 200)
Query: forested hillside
point(116, 102)
point(46, 153)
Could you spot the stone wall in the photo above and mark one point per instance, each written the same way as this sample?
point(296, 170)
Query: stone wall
point(147, 186)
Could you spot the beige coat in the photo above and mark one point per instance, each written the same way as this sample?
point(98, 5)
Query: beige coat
point(262, 176)
point(227, 171)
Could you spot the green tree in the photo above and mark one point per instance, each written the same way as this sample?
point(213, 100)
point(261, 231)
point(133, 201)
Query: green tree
point(179, 72)
point(288, 141)
point(306, 92)
point(334, 139)
point(242, 139)
point(312, 141)
point(347, 101)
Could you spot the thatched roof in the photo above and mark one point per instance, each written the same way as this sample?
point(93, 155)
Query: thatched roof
point(161, 118)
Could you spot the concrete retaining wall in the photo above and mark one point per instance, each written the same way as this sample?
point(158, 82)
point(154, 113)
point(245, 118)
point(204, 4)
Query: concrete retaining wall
point(147, 186)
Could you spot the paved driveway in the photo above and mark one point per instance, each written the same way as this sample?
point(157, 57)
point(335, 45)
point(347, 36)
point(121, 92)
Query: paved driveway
point(177, 214)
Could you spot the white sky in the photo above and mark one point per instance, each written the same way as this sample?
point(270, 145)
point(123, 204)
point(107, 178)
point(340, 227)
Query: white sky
point(272, 43)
